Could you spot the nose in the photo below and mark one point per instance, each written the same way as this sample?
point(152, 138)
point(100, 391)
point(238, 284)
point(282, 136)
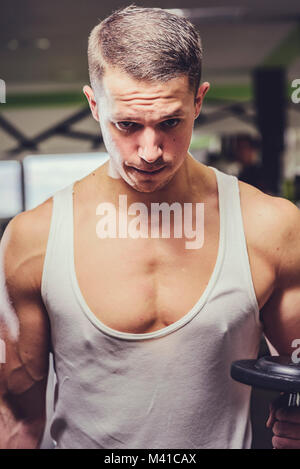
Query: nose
point(150, 145)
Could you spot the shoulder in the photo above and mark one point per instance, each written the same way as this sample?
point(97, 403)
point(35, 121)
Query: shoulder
point(271, 223)
point(24, 243)
point(258, 203)
point(26, 228)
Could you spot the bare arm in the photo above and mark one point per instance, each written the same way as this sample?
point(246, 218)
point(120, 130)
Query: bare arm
point(24, 328)
point(281, 313)
point(281, 318)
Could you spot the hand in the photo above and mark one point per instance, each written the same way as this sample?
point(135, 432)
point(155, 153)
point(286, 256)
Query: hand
point(285, 424)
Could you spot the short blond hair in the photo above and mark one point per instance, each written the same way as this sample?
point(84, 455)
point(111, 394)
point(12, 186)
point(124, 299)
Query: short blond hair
point(150, 44)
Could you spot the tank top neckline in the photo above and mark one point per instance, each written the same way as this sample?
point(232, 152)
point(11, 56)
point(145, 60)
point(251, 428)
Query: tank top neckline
point(175, 325)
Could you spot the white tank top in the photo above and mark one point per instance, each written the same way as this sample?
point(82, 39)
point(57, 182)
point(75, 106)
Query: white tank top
point(165, 389)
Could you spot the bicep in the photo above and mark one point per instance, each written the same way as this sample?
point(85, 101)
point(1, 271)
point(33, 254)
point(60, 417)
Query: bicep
point(281, 313)
point(281, 318)
point(24, 325)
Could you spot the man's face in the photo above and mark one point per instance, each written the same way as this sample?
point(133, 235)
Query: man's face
point(146, 126)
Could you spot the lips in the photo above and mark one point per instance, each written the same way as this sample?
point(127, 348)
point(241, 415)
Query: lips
point(149, 171)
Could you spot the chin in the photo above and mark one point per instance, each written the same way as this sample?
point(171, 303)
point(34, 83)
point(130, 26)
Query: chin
point(148, 188)
point(145, 190)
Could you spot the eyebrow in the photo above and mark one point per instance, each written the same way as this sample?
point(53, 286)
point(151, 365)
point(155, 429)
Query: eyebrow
point(120, 118)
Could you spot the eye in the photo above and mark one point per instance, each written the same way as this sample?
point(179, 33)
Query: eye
point(170, 123)
point(124, 125)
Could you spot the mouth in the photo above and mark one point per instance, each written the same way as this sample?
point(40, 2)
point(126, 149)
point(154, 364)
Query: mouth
point(150, 171)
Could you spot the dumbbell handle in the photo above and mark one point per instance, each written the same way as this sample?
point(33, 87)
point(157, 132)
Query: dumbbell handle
point(289, 399)
point(293, 399)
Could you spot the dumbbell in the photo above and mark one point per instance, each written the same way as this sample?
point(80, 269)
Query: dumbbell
point(276, 373)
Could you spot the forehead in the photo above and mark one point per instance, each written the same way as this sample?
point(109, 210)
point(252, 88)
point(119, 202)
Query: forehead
point(126, 94)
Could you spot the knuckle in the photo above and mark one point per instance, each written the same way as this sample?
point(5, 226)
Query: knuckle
point(285, 443)
point(278, 443)
point(290, 414)
point(277, 428)
point(281, 414)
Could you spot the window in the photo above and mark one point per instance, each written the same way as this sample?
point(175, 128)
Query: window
point(46, 174)
point(10, 188)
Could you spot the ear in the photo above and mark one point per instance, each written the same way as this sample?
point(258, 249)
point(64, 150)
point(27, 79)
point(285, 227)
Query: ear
point(203, 89)
point(87, 90)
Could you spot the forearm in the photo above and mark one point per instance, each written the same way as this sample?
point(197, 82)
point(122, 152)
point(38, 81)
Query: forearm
point(19, 433)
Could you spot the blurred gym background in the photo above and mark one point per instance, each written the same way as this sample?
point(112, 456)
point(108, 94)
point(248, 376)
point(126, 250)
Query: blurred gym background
point(249, 125)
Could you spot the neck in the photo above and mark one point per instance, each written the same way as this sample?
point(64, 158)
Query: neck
point(189, 183)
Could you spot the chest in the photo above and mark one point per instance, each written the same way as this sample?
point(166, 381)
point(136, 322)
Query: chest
point(143, 285)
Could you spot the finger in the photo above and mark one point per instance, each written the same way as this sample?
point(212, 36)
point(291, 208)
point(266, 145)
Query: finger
point(271, 418)
point(287, 429)
point(273, 406)
point(285, 443)
point(288, 414)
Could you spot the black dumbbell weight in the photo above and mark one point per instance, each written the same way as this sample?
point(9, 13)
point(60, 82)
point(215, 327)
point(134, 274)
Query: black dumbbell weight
point(276, 373)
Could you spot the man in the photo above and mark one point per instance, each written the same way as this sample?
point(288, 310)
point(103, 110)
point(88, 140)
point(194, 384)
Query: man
point(144, 329)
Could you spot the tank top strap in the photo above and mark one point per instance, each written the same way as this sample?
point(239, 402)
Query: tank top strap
point(236, 251)
point(59, 232)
